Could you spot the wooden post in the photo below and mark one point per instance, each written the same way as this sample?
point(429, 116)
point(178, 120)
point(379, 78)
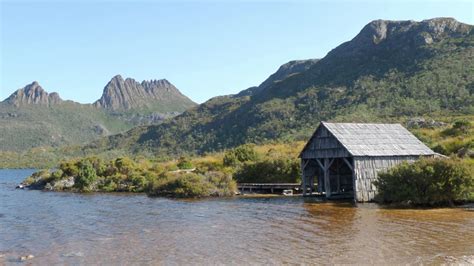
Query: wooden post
point(338, 179)
point(354, 176)
point(303, 177)
point(327, 183)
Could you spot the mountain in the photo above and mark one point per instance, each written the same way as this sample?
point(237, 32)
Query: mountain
point(391, 69)
point(285, 71)
point(33, 94)
point(32, 117)
point(157, 95)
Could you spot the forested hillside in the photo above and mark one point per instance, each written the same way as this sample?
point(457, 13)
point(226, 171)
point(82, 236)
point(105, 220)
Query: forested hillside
point(391, 69)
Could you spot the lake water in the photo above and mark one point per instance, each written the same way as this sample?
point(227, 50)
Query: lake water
point(68, 228)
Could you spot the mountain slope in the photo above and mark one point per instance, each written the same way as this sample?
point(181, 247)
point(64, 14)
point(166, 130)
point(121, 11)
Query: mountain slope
point(286, 70)
point(390, 69)
point(32, 117)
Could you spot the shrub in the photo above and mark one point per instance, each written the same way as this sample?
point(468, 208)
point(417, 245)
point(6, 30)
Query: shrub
point(191, 185)
point(69, 168)
point(184, 163)
point(244, 153)
point(460, 127)
point(181, 186)
point(86, 176)
point(57, 175)
point(426, 182)
point(223, 183)
point(279, 170)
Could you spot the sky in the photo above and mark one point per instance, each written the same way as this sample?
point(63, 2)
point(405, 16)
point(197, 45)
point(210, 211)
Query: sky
point(205, 48)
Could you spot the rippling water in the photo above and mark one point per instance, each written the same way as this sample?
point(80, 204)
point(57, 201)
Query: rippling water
point(68, 228)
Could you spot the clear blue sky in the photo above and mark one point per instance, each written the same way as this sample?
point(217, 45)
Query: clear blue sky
point(205, 48)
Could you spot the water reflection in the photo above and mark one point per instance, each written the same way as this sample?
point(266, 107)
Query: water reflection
point(64, 228)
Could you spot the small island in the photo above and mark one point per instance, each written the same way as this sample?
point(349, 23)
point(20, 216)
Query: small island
point(214, 175)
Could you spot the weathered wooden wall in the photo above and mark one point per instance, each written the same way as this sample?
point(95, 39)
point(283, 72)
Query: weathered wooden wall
point(324, 145)
point(366, 172)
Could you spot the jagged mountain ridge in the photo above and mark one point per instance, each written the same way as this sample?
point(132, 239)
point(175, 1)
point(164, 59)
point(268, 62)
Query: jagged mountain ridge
point(390, 69)
point(120, 94)
point(33, 94)
point(32, 117)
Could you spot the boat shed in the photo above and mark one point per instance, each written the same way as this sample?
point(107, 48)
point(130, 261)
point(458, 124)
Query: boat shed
point(344, 159)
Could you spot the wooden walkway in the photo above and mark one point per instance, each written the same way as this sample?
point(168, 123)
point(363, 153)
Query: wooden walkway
point(269, 187)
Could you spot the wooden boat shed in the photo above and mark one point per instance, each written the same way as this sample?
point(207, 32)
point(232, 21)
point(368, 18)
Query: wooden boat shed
point(344, 158)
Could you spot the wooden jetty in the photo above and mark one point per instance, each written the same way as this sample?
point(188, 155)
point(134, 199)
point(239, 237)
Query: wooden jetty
point(268, 187)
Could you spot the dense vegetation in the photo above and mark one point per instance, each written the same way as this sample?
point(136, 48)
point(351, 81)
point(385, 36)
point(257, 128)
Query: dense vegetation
point(427, 182)
point(125, 175)
point(210, 175)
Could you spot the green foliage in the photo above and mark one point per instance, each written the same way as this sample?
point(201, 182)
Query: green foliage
point(271, 170)
point(184, 186)
point(85, 177)
point(427, 182)
point(460, 127)
point(126, 175)
point(184, 163)
point(456, 139)
point(243, 153)
point(191, 185)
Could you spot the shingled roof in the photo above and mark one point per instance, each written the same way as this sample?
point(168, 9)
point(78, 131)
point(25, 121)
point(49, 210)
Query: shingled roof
point(377, 139)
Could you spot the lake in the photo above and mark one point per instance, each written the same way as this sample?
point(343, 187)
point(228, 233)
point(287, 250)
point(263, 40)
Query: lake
point(70, 228)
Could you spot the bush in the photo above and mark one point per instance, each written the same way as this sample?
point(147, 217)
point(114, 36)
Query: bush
point(279, 170)
point(244, 153)
point(192, 185)
point(86, 176)
point(184, 163)
point(426, 182)
point(460, 127)
point(181, 186)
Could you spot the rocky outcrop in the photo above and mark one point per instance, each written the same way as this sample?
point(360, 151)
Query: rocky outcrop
point(120, 94)
point(402, 34)
point(33, 94)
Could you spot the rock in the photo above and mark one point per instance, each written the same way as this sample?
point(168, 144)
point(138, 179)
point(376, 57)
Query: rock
point(465, 152)
point(120, 94)
point(101, 130)
point(48, 186)
point(420, 122)
point(63, 184)
point(33, 94)
point(25, 258)
point(20, 186)
point(389, 35)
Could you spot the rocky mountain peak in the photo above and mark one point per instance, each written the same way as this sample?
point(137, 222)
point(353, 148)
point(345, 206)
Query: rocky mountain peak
point(381, 36)
point(120, 94)
point(33, 94)
point(429, 31)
